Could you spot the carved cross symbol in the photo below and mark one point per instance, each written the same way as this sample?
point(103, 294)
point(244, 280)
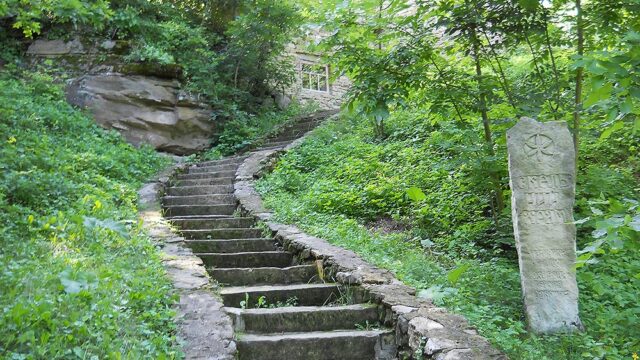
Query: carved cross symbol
point(539, 145)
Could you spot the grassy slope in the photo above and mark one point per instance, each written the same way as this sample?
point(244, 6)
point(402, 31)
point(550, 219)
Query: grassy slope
point(338, 185)
point(79, 278)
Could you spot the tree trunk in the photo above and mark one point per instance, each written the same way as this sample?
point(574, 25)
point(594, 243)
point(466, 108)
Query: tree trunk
point(579, 78)
point(482, 102)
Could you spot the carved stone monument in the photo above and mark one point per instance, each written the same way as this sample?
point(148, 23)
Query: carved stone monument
point(542, 178)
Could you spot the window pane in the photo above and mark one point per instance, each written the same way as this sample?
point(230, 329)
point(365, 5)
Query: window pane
point(305, 81)
point(323, 83)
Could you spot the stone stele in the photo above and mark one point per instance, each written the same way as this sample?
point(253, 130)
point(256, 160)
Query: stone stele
point(542, 179)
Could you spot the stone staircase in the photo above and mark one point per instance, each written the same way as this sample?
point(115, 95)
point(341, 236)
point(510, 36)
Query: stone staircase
point(281, 307)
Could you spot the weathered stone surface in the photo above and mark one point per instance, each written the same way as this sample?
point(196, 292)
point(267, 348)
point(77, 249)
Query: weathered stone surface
point(43, 47)
point(542, 178)
point(145, 110)
point(205, 328)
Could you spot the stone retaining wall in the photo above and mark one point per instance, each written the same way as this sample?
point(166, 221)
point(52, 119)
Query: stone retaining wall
point(423, 331)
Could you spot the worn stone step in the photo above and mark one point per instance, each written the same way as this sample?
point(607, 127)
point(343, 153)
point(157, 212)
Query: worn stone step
point(213, 223)
point(212, 168)
point(319, 345)
point(207, 175)
point(184, 210)
point(219, 199)
point(306, 294)
point(204, 182)
point(277, 143)
point(266, 275)
point(199, 190)
point(297, 129)
point(281, 138)
point(232, 245)
point(233, 233)
point(247, 259)
point(229, 160)
point(304, 318)
point(265, 147)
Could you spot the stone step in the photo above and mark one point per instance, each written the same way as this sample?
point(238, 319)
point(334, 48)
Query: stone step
point(207, 175)
point(185, 210)
point(265, 147)
point(277, 143)
point(324, 345)
point(297, 130)
point(247, 259)
point(234, 233)
point(200, 190)
point(267, 275)
point(219, 199)
point(303, 318)
point(285, 137)
point(213, 223)
point(231, 160)
point(212, 168)
point(232, 245)
point(204, 182)
point(306, 294)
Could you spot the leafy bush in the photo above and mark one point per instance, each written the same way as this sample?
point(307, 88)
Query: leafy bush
point(79, 277)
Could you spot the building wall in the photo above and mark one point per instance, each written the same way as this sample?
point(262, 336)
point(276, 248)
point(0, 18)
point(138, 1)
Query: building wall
point(331, 98)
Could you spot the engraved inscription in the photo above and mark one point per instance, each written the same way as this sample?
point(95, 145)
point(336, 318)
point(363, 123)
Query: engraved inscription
point(546, 217)
point(539, 146)
point(543, 182)
point(542, 200)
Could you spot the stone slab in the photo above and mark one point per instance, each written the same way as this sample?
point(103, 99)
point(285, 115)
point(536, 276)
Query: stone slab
point(542, 178)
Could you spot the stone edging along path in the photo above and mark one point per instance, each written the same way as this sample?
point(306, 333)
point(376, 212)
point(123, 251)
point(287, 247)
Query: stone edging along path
point(207, 331)
point(422, 330)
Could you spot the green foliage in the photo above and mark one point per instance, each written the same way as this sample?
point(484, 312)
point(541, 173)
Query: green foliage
point(79, 277)
point(416, 204)
point(255, 60)
point(29, 16)
point(245, 129)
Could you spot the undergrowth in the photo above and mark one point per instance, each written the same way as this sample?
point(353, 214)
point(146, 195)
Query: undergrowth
point(345, 186)
point(79, 278)
point(245, 129)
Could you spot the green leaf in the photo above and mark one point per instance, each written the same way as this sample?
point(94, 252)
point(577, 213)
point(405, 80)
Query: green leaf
point(528, 4)
point(598, 93)
point(415, 194)
point(436, 293)
point(611, 129)
point(426, 243)
point(454, 275)
point(627, 106)
point(115, 226)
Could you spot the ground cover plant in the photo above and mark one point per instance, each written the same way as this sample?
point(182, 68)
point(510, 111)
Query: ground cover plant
point(416, 203)
point(78, 278)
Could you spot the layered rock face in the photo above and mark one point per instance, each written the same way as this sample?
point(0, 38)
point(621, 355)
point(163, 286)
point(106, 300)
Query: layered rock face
point(144, 109)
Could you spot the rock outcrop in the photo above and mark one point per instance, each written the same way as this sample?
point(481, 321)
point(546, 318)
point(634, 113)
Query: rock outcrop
point(145, 110)
point(145, 107)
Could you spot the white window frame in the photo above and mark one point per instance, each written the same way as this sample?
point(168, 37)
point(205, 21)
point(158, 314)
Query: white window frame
point(314, 77)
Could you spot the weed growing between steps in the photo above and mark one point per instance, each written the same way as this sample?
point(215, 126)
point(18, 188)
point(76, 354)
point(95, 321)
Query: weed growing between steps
point(79, 278)
point(350, 189)
point(263, 303)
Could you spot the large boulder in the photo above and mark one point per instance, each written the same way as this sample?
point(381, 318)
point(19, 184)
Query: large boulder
point(145, 110)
